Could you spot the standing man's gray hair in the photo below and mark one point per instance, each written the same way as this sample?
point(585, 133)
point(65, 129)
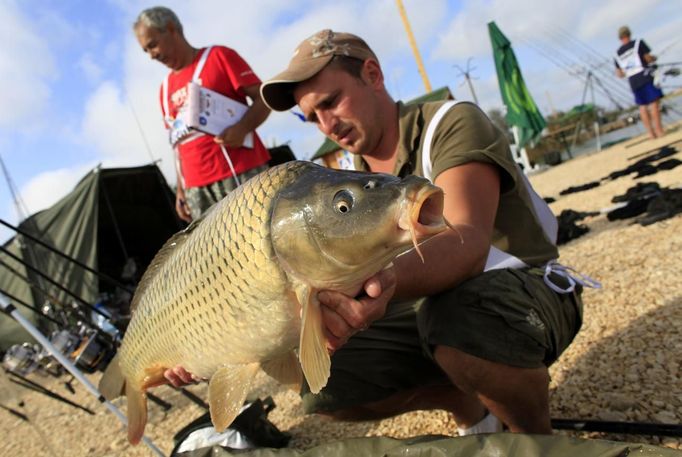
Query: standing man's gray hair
point(158, 17)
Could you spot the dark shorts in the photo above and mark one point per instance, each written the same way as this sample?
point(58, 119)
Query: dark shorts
point(505, 316)
point(647, 94)
point(199, 199)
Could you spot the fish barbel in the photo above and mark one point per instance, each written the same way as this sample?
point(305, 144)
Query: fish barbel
point(236, 291)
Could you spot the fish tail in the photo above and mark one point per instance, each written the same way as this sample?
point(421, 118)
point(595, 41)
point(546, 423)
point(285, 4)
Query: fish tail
point(137, 413)
point(113, 382)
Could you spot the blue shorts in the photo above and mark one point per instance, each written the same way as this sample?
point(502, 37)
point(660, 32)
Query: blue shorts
point(648, 93)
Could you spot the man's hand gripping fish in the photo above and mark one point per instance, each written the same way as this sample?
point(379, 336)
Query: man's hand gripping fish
point(237, 290)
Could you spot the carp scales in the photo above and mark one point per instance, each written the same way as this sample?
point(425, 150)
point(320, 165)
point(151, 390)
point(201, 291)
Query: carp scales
point(236, 291)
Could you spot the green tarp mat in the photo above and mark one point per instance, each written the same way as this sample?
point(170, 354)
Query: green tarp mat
point(112, 217)
point(490, 445)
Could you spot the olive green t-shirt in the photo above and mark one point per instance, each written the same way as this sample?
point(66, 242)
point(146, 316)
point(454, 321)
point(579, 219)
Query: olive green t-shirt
point(465, 134)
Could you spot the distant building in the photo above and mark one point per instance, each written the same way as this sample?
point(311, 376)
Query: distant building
point(331, 155)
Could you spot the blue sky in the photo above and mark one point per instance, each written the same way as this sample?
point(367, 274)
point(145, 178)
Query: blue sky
point(77, 91)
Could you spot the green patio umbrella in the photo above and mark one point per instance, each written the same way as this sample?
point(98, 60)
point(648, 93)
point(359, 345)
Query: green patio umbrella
point(522, 112)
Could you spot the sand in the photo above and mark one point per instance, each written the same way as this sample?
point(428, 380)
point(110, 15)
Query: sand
point(624, 365)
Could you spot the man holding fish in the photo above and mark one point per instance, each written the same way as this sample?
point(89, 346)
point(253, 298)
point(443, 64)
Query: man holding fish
point(499, 309)
point(471, 320)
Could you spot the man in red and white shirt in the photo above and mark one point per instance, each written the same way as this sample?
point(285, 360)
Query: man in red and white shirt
point(206, 165)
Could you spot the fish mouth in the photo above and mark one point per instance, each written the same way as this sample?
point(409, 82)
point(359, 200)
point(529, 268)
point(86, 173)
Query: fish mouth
point(423, 217)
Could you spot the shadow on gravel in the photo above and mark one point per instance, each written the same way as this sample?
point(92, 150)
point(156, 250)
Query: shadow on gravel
point(630, 376)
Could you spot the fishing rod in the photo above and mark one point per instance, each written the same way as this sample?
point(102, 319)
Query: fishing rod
point(628, 428)
point(95, 342)
point(14, 412)
point(104, 276)
point(46, 295)
point(53, 282)
point(571, 71)
point(594, 64)
point(194, 398)
point(32, 385)
point(86, 338)
point(35, 310)
point(10, 309)
point(163, 404)
point(596, 60)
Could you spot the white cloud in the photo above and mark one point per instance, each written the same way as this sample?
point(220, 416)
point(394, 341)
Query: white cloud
point(110, 126)
point(46, 189)
point(265, 32)
point(91, 69)
point(26, 69)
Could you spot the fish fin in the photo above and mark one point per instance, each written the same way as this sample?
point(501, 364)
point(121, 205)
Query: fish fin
point(112, 383)
point(154, 377)
point(168, 248)
point(286, 370)
point(313, 352)
point(137, 413)
point(227, 391)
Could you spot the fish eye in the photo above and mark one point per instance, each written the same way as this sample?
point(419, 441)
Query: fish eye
point(371, 184)
point(343, 201)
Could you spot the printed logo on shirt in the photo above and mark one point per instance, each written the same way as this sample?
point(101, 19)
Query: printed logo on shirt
point(179, 96)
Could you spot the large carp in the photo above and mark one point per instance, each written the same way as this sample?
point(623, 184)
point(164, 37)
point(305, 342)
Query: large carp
point(237, 290)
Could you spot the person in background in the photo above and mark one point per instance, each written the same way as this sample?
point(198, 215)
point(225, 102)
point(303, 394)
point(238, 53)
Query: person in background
point(206, 165)
point(634, 61)
point(471, 329)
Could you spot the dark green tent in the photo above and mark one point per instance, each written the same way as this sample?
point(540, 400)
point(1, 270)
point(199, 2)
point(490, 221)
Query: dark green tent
point(114, 218)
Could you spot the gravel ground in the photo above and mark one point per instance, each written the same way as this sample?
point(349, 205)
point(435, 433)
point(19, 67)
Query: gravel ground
point(624, 365)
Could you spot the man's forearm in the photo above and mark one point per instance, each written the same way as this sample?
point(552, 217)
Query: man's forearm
point(257, 113)
point(448, 262)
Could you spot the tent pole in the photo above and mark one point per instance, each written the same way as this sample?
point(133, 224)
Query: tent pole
point(12, 311)
point(64, 256)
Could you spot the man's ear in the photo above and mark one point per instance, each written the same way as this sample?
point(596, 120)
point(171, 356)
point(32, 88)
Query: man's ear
point(372, 74)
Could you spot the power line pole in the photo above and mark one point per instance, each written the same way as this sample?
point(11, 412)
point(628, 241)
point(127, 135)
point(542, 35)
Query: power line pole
point(467, 76)
point(413, 43)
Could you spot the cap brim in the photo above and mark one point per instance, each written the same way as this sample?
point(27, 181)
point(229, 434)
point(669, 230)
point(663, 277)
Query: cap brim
point(278, 92)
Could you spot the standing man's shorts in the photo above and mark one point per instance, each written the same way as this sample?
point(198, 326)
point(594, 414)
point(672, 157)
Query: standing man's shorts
point(647, 94)
point(202, 198)
point(505, 316)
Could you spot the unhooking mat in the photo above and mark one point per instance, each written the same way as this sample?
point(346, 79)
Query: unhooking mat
point(490, 445)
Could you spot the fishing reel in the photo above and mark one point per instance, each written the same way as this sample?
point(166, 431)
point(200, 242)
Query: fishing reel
point(94, 352)
point(88, 340)
point(21, 358)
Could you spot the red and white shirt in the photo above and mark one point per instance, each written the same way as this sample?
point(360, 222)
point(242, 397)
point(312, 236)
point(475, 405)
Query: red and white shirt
point(201, 160)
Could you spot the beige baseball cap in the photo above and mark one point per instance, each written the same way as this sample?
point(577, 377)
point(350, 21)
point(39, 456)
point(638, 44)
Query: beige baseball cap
point(311, 56)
